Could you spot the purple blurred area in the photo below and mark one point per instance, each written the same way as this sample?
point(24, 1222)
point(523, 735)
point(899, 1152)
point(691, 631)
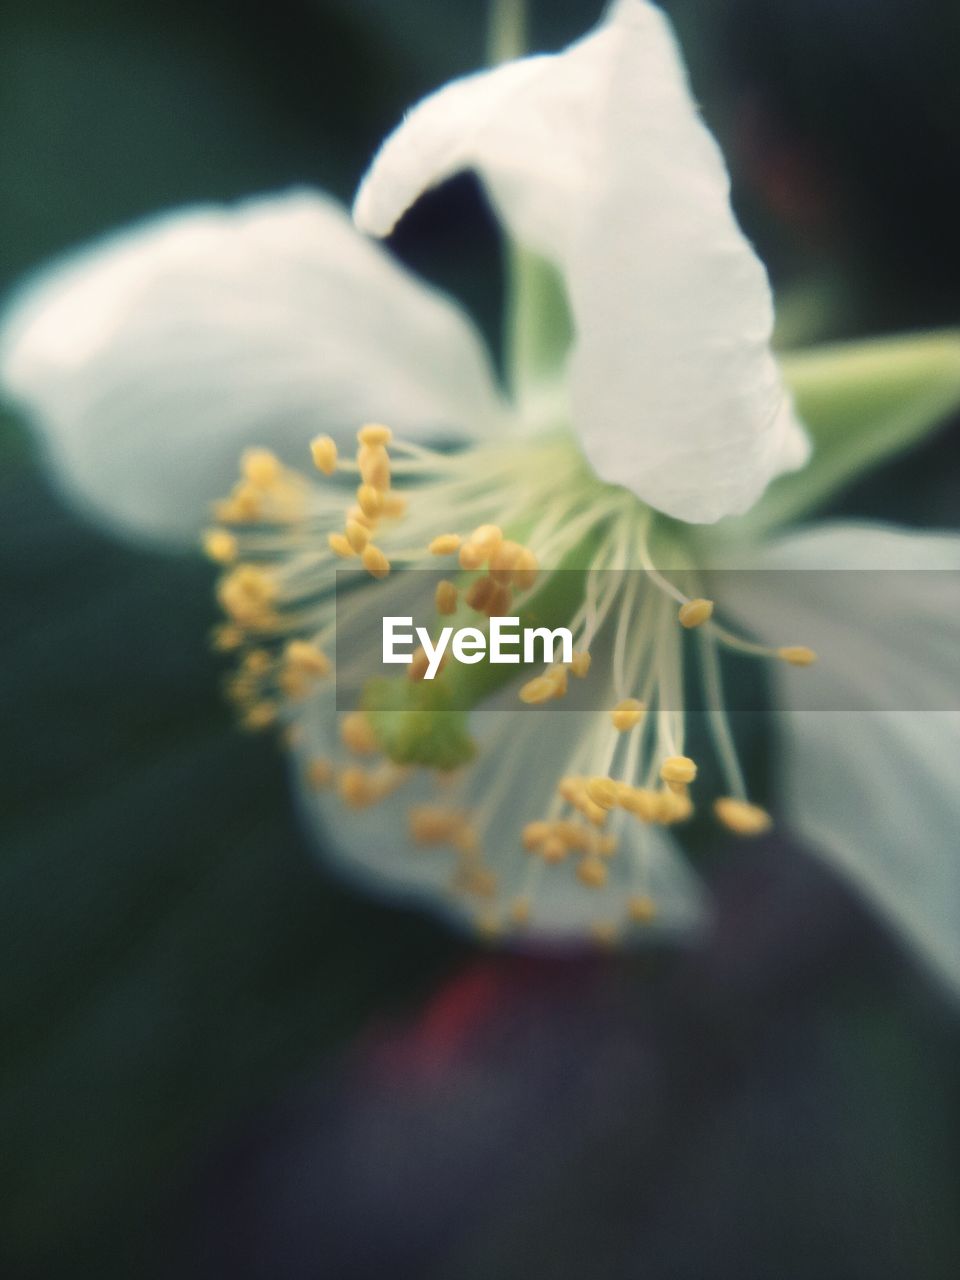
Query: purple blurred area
point(744, 1110)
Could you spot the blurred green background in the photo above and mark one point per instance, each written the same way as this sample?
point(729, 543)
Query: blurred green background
point(210, 1051)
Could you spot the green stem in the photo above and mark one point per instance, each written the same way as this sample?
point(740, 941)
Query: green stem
point(506, 31)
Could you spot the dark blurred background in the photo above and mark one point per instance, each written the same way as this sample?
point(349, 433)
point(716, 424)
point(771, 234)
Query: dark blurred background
point(215, 1061)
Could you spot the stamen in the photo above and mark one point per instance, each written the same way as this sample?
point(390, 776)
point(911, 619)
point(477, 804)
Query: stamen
point(374, 561)
point(626, 715)
point(797, 655)
point(446, 598)
point(261, 467)
point(741, 817)
point(357, 735)
point(220, 546)
point(678, 769)
point(445, 544)
point(357, 535)
point(695, 613)
point(340, 545)
point(324, 452)
point(374, 434)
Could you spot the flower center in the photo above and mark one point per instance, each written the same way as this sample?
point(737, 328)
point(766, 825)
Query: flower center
point(521, 530)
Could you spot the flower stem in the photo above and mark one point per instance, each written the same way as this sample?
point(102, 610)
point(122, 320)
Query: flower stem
point(507, 31)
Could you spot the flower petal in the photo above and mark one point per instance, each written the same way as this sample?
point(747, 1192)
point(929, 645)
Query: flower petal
point(676, 393)
point(598, 158)
point(152, 359)
point(875, 790)
point(373, 845)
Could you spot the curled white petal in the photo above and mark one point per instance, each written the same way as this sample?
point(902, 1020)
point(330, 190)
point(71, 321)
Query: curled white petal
point(598, 158)
point(150, 360)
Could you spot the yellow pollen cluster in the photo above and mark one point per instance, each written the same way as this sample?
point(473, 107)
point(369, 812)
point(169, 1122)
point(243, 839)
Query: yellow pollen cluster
point(741, 817)
point(433, 825)
point(597, 797)
point(266, 490)
point(695, 613)
point(797, 655)
point(374, 498)
point(626, 715)
point(276, 537)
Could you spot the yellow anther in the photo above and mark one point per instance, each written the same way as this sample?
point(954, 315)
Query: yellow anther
point(374, 464)
point(571, 789)
point(695, 613)
point(798, 655)
point(339, 544)
point(357, 789)
point(642, 803)
point(374, 561)
point(557, 675)
point(319, 774)
point(370, 500)
point(445, 597)
point(573, 835)
point(374, 433)
point(488, 926)
point(604, 933)
point(300, 655)
point(520, 910)
point(226, 637)
point(466, 840)
point(534, 833)
point(356, 516)
point(642, 908)
point(504, 560)
point(432, 824)
point(220, 546)
point(498, 606)
point(357, 534)
point(553, 849)
point(580, 664)
point(323, 449)
point(394, 505)
point(603, 792)
point(593, 812)
point(471, 557)
point(478, 882)
point(486, 538)
point(742, 817)
point(244, 504)
point(444, 544)
point(257, 662)
point(357, 735)
point(294, 684)
point(526, 569)
point(262, 715)
point(246, 593)
point(261, 467)
point(539, 689)
point(592, 872)
point(418, 664)
point(675, 806)
point(627, 714)
point(480, 593)
point(607, 846)
point(678, 769)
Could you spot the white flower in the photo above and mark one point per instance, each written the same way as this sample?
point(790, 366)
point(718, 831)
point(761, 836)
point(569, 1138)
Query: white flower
point(150, 362)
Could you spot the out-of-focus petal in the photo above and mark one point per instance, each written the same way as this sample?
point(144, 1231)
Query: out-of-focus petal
point(150, 360)
point(872, 784)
